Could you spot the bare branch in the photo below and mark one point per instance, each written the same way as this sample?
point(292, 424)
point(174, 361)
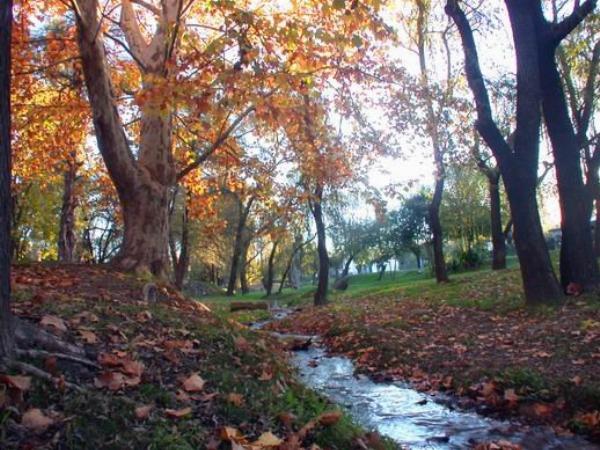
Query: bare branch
point(562, 29)
point(485, 123)
point(215, 145)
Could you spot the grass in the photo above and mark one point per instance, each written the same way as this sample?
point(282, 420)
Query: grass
point(103, 419)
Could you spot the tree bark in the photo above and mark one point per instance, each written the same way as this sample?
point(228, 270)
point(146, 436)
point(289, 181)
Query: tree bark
point(7, 337)
point(238, 244)
point(142, 184)
point(67, 239)
point(244, 269)
point(347, 267)
point(498, 241)
point(320, 297)
point(271, 269)
point(433, 128)
point(518, 163)
point(577, 260)
point(439, 262)
point(181, 263)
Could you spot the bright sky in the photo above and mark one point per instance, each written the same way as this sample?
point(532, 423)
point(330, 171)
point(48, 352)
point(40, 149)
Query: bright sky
point(417, 165)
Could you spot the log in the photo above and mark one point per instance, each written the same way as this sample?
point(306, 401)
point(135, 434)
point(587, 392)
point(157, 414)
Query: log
point(248, 306)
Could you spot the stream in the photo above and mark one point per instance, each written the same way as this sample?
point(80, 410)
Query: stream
point(413, 419)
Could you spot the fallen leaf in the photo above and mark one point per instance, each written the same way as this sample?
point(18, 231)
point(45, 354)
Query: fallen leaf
point(178, 413)
point(510, 396)
point(88, 336)
point(131, 367)
point(54, 321)
point(194, 383)
point(18, 382)
point(266, 375)
point(267, 439)
point(231, 434)
point(330, 418)
point(241, 344)
point(236, 399)
point(111, 380)
point(143, 412)
point(34, 419)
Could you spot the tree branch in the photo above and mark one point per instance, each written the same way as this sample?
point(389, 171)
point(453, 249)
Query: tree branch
point(485, 123)
point(562, 29)
point(215, 145)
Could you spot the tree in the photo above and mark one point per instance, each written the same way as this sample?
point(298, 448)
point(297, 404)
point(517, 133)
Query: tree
point(577, 260)
point(517, 163)
point(7, 340)
point(492, 174)
point(440, 142)
point(579, 59)
point(409, 226)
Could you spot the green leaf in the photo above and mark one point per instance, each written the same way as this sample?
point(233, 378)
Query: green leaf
point(339, 4)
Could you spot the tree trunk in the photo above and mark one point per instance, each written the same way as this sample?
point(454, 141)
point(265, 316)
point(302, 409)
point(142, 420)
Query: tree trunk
point(182, 262)
point(347, 267)
point(597, 230)
point(498, 241)
point(320, 297)
point(382, 268)
point(271, 269)
point(439, 262)
point(67, 239)
point(238, 244)
point(143, 183)
point(577, 260)
point(146, 230)
point(7, 337)
point(244, 268)
point(517, 163)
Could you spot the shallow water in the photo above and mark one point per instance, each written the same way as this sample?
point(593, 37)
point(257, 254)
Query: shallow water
point(413, 419)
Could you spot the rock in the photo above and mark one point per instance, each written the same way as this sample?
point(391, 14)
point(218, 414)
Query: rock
point(341, 284)
point(248, 306)
point(150, 292)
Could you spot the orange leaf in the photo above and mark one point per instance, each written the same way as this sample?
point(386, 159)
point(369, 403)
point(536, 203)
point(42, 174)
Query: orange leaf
point(178, 413)
point(330, 418)
point(143, 412)
point(267, 440)
point(54, 321)
point(16, 382)
point(111, 380)
point(236, 399)
point(194, 383)
point(34, 419)
point(88, 336)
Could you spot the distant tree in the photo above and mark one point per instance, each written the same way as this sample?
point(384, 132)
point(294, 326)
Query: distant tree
point(7, 341)
point(492, 174)
point(464, 210)
point(409, 226)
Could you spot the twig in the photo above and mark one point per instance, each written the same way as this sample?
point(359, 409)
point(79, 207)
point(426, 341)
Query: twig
point(34, 371)
point(44, 354)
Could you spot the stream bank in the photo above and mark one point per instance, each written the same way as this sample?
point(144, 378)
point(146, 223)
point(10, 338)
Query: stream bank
point(413, 419)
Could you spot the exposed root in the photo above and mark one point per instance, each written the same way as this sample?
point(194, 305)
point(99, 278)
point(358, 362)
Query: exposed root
point(39, 373)
point(44, 354)
point(30, 336)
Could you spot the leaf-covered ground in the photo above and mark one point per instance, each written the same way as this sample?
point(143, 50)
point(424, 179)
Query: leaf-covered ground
point(169, 375)
point(473, 337)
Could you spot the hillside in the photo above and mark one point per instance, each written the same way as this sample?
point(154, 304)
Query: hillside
point(164, 375)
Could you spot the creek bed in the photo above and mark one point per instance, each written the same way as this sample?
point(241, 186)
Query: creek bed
point(413, 419)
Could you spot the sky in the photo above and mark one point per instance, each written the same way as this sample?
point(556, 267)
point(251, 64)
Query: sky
point(495, 58)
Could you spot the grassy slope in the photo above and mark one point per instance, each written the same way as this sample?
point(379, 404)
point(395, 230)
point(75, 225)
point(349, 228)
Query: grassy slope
point(172, 340)
point(474, 329)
